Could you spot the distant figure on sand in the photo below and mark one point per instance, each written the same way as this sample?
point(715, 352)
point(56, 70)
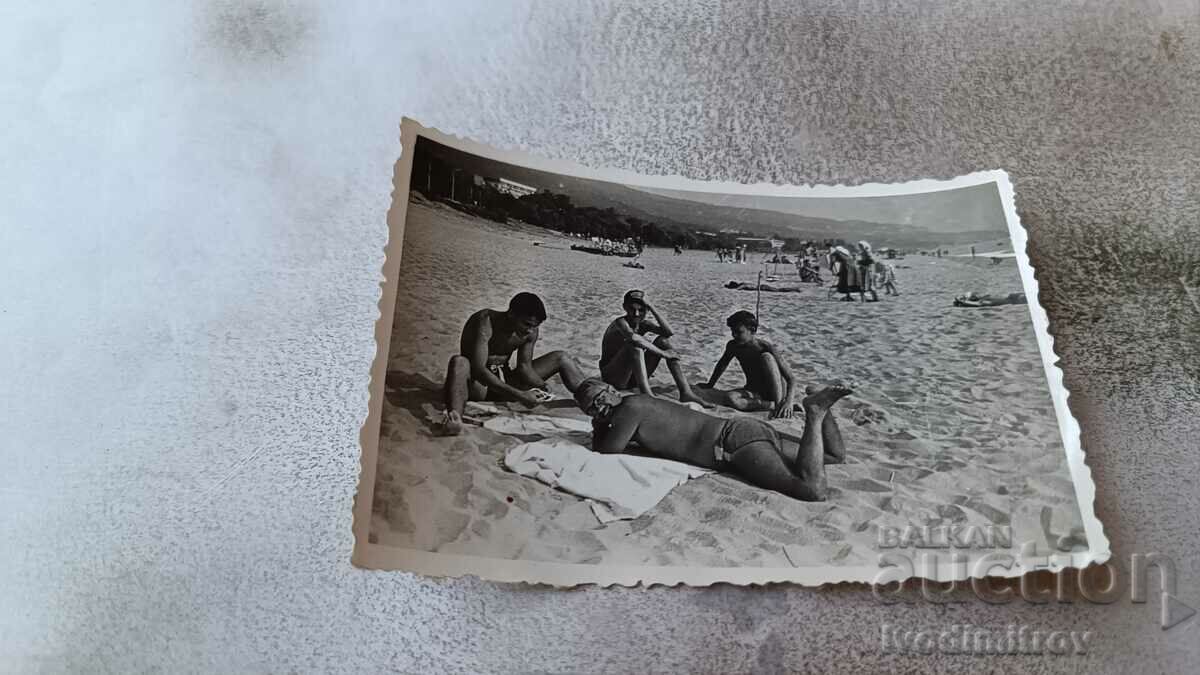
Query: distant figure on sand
point(888, 279)
point(742, 446)
point(481, 371)
point(628, 358)
point(866, 265)
point(769, 382)
point(846, 269)
point(766, 288)
point(975, 300)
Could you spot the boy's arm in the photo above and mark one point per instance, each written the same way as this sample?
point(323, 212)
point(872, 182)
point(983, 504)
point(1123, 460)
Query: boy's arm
point(524, 370)
point(719, 369)
point(631, 336)
point(659, 327)
point(784, 407)
point(478, 355)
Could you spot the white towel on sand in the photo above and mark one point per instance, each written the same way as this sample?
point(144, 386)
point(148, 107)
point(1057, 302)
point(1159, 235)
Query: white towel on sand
point(532, 425)
point(618, 487)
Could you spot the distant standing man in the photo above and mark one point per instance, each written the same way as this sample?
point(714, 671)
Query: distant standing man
point(482, 369)
point(629, 358)
point(769, 382)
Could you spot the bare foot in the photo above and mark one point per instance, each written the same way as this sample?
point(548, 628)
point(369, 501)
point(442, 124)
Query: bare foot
point(822, 399)
point(451, 424)
point(810, 389)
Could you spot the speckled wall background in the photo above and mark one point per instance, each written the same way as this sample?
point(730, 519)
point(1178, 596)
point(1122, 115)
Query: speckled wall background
point(191, 233)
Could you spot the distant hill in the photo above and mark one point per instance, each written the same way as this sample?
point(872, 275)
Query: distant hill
point(705, 217)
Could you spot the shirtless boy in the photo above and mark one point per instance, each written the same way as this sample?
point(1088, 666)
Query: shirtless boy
point(629, 358)
point(769, 382)
point(482, 369)
point(744, 446)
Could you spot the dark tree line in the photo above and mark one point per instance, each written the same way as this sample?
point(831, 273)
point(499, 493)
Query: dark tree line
point(438, 180)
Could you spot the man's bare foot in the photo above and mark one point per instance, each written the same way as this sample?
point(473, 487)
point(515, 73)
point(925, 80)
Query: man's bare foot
point(451, 424)
point(823, 398)
point(810, 389)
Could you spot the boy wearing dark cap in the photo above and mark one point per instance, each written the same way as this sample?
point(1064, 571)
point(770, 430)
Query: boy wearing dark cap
point(482, 370)
point(628, 358)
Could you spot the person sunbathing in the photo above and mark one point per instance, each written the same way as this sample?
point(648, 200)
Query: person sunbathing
point(743, 446)
point(975, 300)
point(769, 382)
point(628, 358)
point(481, 371)
point(766, 288)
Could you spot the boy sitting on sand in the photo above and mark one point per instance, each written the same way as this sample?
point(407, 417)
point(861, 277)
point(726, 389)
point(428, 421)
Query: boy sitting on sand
point(743, 446)
point(769, 382)
point(481, 371)
point(628, 357)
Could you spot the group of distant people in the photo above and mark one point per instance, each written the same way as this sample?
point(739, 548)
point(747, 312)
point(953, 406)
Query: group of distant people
point(860, 272)
point(736, 254)
point(746, 446)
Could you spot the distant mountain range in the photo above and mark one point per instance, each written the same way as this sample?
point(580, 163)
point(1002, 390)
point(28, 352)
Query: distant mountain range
point(699, 216)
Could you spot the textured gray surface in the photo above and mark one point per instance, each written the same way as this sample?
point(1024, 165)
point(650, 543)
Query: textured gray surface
point(193, 215)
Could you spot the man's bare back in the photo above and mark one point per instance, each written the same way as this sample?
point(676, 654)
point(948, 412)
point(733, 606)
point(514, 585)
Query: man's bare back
point(743, 445)
point(663, 428)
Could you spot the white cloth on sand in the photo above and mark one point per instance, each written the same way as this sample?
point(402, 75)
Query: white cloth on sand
point(618, 487)
point(532, 425)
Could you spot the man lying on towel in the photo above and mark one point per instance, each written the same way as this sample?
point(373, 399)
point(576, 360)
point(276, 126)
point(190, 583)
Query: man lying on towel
point(481, 371)
point(743, 446)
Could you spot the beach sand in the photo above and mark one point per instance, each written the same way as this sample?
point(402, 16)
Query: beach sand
point(951, 422)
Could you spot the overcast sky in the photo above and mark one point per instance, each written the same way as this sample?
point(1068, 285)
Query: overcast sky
point(965, 209)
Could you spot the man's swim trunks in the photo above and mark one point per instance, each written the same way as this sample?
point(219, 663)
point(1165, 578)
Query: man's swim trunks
point(739, 432)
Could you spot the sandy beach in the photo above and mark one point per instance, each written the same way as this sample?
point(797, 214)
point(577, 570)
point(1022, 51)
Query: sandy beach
point(951, 422)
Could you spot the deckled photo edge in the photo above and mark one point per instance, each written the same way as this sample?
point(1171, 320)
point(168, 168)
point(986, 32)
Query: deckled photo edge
point(561, 575)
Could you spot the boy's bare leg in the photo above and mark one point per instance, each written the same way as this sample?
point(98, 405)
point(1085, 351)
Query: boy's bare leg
point(456, 392)
point(620, 370)
point(562, 364)
point(773, 382)
point(686, 395)
point(641, 375)
point(712, 395)
point(745, 400)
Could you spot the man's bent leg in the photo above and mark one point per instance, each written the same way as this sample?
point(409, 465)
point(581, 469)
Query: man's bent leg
point(764, 465)
point(831, 438)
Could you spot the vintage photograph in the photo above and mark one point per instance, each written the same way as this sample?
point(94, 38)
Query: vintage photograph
point(596, 377)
